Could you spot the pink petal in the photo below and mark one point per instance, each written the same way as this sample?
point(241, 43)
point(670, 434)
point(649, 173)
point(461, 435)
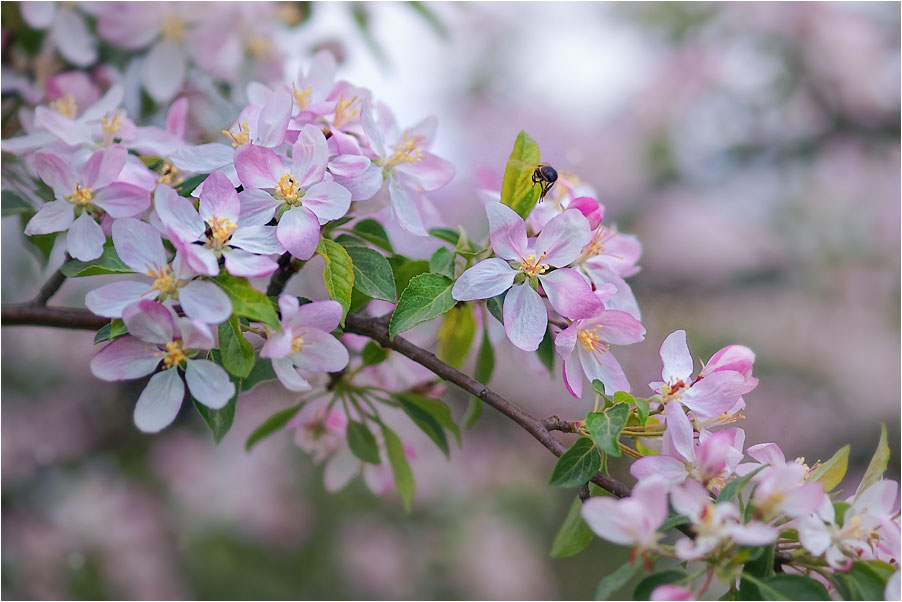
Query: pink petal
point(327, 200)
point(277, 345)
point(258, 207)
point(38, 15)
point(85, 238)
point(322, 315)
point(56, 173)
point(203, 158)
point(205, 301)
point(54, 216)
point(507, 231)
point(570, 295)
point(138, 245)
point(591, 209)
point(603, 367)
point(753, 534)
point(149, 321)
point(431, 173)
point(258, 166)
point(242, 263)
point(209, 383)
point(103, 167)
point(257, 239)
point(678, 438)
point(525, 317)
point(122, 200)
point(404, 209)
point(604, 517)
point(364, 186)
point(273, 119)
point(563, 238)
point(348, 166)
point(667, 468)
point(109, 300)
point(124, 359)
point(620, 328)
point(767, 453)
point(164, 70)
point(715, 394)
point(160, 401)
point(200, 259)
point(195, 334)
point(288, 375)
point(676, 358)
point(73, 39)
point(178, 214)
point(565, 341)
point(298, 231)
point(573, 376)
point(219, 199)
point(320, 352)
point(177, 118)
point(308, 156)
point(71, 132)
point(675, 593)
point(488, 278)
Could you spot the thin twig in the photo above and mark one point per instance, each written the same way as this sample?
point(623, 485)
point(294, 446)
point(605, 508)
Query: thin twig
point(279, 278)
point(29, 314)
point(49, 289)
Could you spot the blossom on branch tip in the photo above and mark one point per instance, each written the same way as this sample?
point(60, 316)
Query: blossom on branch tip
point(631, 521)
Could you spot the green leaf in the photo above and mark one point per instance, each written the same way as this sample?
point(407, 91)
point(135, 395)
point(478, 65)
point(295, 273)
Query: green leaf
point(546, 351)
point(624, 397)
point(237, 353)
point(372, 231)
point(612, 583)
point(41, 245)
point(442, 262)
point(674, 520)
point(761, 561)
point(445, 234)
point(115, 329)
point(877, 465)
point(397, 457)
point(485, 359)
point(107, 263)
point(13, 204)
point(271, 425)
point(426, 297)
point(574, 534)
point(338, 274)
point(431, 415)
point(348, 240)
point(517, 189)
point(261, 372)
point(188, 186)
point(790, 587)
point(861, 582)
point(372, 274)
point(495, 305)
point(831, 472)
point(605, 428)
point(472, 413)
point(456, 335)
point(219, 421)
point(362, 443)
point(641, 409)
point(647, 585)
point(839, 512)
point(373, 354)
point(577, 465)
point(406, 269)
point(732, 489)
point(248, 301)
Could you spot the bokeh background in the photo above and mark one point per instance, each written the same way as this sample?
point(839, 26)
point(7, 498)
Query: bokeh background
point(753, 148)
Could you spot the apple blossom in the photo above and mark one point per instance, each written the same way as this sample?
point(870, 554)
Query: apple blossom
point(631, 521)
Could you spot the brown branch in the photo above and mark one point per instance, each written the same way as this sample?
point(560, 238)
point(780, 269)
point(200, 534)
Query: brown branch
point(279, 278)
point(29, 314)
point(49, 289)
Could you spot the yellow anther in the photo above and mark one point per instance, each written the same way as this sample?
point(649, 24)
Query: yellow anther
point(302, 97)
point(287, 190)
point(221, 229)
point(345, 110)
point(163, 281)
point(296, 344)
point(172, 28)
point(531, 266)
point(407, 151)
point(80, 196)
point(111, 124)
point(241, 137)
point(169, 175)
point(174, 355)
point(590, 340)
point(65, 105)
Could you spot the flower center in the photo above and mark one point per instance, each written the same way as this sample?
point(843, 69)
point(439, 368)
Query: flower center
point(221, 229)
point(296, 344)
point(65, 105)
point(163, 281)
point(174, 355)
point(407, 151)
point(173, 28)
point(169, 175)
point(259, 47)
point(346, 109)
point(288, 190)
point(111, 125)
point(531, 266)
point(673, 390)
point(591, 342)
point(80, 196)
point(302, 97)
point(241, 137)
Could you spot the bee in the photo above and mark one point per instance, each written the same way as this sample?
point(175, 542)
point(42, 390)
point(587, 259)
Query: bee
point(545, 176)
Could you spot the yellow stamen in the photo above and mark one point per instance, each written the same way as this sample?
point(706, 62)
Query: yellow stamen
point(345, 110)
point(302, 97)
point(80, 196)
point(407, 150)
point(241, 137)
point(173, 28)
point(288, 190)
point(65, 105)
point(174, 355)
point(531, 266)
point(296, 344)
point(111, 125)
point(259, 47)
point(169, 175)
point(221, 229)
point(164, 281)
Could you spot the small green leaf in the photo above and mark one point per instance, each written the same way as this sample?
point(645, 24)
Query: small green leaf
point(839, 512)
point(115, 329)
point(485, 359)
point(831, 472)
point(372, 274)
point(517, 189)
point(445, 234)
point(373, 354)
point(41, 245)
point(732, 489)
point(612, 583)
point(407, 269)
point(219, 421)
point(495, 305)
point(472, 413)
point(237, 353)
point(605, 428)
point(362, 443)
point(674, 520)
point(546, 351)
point(647, 585)
point(456, 335)
point(574, 534)
point(272, 425)
point(877, 465)
point(261, 372)
point(372, 231)
point(107, 263)
point(428, 414)
point(426, 297)
point(248, 301)
point(789, 587)
point(338, 274)
point(188, 186)
point(641, 410)
point(577, 465)
point(861, 582)
point(397, 457)
point(442, 262)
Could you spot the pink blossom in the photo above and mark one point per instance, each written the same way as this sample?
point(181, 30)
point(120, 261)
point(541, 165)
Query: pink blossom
point(736, 358)
point(84, 196)
point(312, 89)
point(782, 490)
point(67, 30)
point(343, 466)
point(631, 521)
point(203, 236)
point(140, 247)
point(305, 343)
point(319, 428)
point(522, 265)
point(155, 337)
point(671, 592)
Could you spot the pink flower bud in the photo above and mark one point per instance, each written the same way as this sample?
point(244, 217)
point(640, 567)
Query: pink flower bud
point(589, 207)
point(737, 358)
